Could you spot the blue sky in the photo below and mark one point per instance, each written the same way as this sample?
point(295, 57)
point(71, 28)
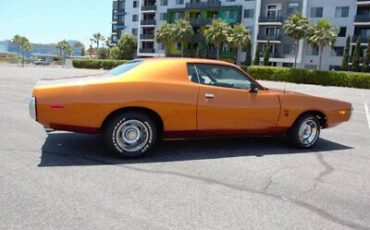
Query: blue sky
point(49, 21)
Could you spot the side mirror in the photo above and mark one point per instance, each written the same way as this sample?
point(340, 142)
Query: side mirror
point(254, 88)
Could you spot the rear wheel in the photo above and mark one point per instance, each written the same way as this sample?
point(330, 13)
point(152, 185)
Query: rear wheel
point(305, 131)
point(130, 134)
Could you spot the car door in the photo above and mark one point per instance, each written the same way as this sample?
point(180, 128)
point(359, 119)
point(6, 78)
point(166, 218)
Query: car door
point(225, 102)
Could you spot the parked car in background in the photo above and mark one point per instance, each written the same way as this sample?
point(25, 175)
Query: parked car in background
point(142, 101)
point(41, 61)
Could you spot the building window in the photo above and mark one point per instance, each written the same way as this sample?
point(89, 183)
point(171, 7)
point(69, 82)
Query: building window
point(293, 8)
point(342, 31)
point(272, 11)
point(342, 12)
point(312, 51)
point(288, 49)
point(135, 18)
point(135, 4)
point(230, 14)
point(179, 2)
point(337, 51)
point(335, 67)
point(316, 12)
point(163, 16)
point(249, 13)
point(134, 31)
point(310, 67)
point(164, 2)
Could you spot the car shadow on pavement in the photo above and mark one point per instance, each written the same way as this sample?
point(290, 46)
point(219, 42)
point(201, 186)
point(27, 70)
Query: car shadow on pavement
point(71, 149)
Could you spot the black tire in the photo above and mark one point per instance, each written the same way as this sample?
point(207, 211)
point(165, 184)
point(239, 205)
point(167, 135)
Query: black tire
point(117, 134)
point(296, 135)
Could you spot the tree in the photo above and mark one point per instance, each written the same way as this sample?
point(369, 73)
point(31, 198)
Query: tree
point(296, 27)
point(320, 35)
point(256, 60)
point(163, 35)
point(126, 47)
point(91, 51)
point(239, 38)
point(248, 52)
point(103, 53)
point(356, 56)
point(65, 48)
point(345, 59)
point(182, 32)
point(97, 38)
point(366, 63)
point(23, 45)
point(266, 56)
point(62, 46)
point(17, 40)
point(217, 33)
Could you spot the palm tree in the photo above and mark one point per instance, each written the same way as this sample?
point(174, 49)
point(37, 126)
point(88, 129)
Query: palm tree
point(296, 28)
point(65, 47)
point(266, 55)
point(23, 45)
point(356, 56)
point(257, 57)
point(17, 40)
point(182, 31)
point(163, 35)
point(217, 33)
point(345, 59)
point(239, 38)
point(62, 45)
point(97, 38)
point(320, 35)
point(365, 66)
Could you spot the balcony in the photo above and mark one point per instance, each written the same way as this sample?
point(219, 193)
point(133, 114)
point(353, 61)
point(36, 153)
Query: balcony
point(118, 26)
point(146, 50)
point(269, 37)
point(271, 19)
point(148, 23)
point(203, 5)
point(363, 2)
point(147, 36)
point(149, 8)
point(200, 21)
point(363, 39)
point(362, 19)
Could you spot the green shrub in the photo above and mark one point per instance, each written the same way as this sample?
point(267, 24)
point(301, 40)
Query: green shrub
point(97, 63)
point(305, 76)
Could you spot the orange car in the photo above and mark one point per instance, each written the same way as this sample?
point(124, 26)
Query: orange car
point(136, 104)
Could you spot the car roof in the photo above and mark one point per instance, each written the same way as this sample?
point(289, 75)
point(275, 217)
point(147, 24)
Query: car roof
point(188, 60)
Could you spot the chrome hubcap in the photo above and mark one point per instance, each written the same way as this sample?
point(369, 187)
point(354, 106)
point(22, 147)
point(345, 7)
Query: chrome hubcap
point(132, 135)
point(308, 132)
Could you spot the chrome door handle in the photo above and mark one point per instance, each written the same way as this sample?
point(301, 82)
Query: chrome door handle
point(209, 95)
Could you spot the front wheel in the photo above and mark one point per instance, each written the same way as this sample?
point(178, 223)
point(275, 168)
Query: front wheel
point(130, 135)
point(305, 131)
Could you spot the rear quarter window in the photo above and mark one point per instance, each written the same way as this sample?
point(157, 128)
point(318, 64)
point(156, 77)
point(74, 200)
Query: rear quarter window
point(119, 70)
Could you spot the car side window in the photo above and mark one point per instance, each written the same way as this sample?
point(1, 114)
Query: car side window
point(221, 76)
point(192, 73)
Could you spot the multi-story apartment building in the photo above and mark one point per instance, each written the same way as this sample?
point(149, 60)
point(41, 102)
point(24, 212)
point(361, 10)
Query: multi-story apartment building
point(264, 18)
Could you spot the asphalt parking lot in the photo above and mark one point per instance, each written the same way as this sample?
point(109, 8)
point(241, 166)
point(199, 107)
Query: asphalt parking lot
point(67, 181)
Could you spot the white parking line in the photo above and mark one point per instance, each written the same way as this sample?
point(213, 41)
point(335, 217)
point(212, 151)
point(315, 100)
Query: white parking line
point(367, 114)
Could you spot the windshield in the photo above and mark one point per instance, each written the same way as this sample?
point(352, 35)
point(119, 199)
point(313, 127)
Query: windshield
point(123, 68)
